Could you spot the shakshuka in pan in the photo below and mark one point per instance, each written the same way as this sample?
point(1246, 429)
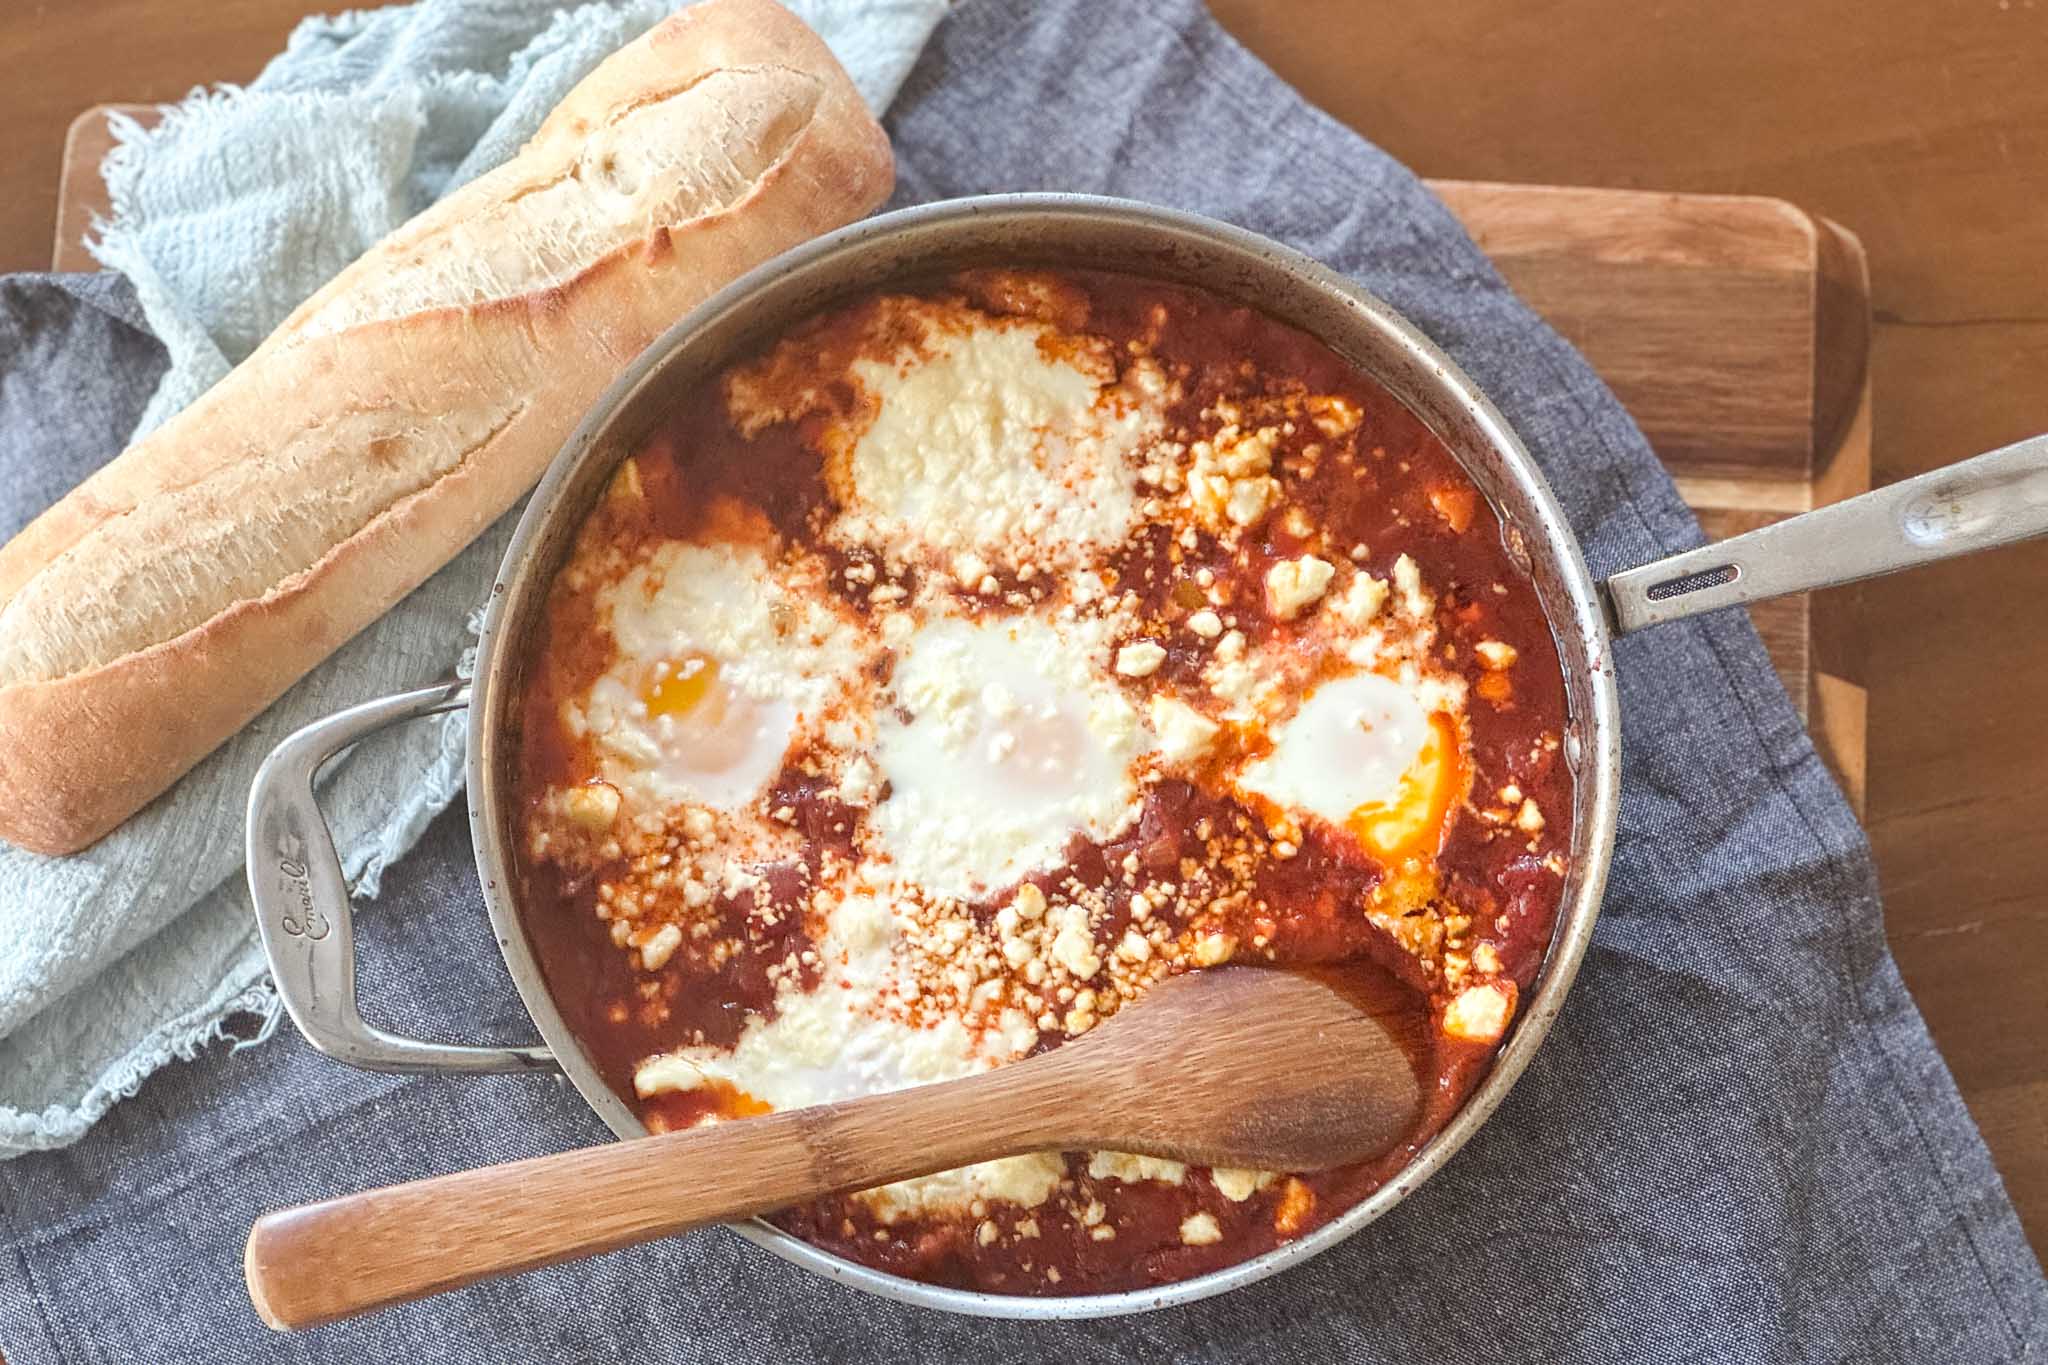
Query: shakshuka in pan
point(977, 654)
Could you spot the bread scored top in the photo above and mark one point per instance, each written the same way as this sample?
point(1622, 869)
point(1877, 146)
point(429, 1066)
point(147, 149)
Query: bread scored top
point(173, 595)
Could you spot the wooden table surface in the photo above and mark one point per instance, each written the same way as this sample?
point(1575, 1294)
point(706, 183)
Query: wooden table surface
point(1922, 125)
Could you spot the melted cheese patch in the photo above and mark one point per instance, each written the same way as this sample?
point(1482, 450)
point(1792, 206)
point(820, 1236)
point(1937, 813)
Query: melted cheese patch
point(990, 443)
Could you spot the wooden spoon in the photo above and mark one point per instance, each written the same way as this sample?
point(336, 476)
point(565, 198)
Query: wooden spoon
point(1239, 1066)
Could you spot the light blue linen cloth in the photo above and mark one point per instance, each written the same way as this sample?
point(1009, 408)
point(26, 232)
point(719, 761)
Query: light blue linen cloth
point(225, 216)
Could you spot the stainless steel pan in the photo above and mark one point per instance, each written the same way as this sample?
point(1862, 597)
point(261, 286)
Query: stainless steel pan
point(301, 899)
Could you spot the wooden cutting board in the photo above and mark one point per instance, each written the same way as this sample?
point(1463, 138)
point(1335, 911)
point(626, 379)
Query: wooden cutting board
point(1734, 329)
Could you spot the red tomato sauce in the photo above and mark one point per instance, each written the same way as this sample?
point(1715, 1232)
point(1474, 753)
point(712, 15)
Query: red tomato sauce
point(1388, 485)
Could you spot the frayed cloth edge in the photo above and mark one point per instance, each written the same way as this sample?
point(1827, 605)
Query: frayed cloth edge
point(244, 993)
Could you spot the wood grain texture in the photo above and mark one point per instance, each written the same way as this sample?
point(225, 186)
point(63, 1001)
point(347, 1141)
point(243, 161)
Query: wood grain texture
point(1272, 1070)
point(1923, 125)
point(1735, 330)
point(1703, 312)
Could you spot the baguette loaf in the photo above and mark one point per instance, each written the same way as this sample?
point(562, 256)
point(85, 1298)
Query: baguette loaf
point(399, 411)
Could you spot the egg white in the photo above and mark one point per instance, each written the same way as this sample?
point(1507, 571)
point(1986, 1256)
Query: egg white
point(1010, 742)
point(1348, 745)
point(782, 656)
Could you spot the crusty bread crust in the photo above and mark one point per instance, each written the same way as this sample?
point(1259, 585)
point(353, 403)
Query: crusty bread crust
point(403, 408)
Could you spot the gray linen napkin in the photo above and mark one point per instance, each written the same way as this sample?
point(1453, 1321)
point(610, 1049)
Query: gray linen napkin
point(1738, 1144)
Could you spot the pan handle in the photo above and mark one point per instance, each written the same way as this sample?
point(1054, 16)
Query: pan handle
point(1977, 504)
point(302, 904)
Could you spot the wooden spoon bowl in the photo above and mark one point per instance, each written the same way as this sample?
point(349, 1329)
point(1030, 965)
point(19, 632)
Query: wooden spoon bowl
point(1238, 1066)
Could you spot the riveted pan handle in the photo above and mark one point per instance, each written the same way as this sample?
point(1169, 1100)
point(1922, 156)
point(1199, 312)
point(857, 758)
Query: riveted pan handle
point(1978, 504)
point(302, 904)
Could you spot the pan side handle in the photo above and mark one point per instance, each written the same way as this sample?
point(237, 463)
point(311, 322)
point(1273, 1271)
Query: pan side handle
point(302, 901)
point(1976, 504)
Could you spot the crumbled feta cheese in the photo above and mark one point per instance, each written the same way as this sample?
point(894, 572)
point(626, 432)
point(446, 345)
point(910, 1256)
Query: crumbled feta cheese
point(1362, 600)
point(1249, 499)
point(1334, 415)
point(656, 951)
point(1140, 658)
point(593, 805)
point(969, 568)
point(1479, 1014)
point(1238, 1185)
point(1184, 733)
point(1408, 579)
point(1131, 1168)
point(1293, 584)
point(1495, 654)
point(1229, 484)
point(859, 784)
point(1073, 947)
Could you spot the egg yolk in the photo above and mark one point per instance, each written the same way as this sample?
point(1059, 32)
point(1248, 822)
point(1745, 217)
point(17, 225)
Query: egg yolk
point(1413, 823)
point(710, 1101)
point(728, 1101)
point(678, 688)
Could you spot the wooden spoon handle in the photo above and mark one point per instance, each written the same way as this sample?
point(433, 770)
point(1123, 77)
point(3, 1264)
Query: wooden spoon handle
point(1237, 1067)
point(330, 1260)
